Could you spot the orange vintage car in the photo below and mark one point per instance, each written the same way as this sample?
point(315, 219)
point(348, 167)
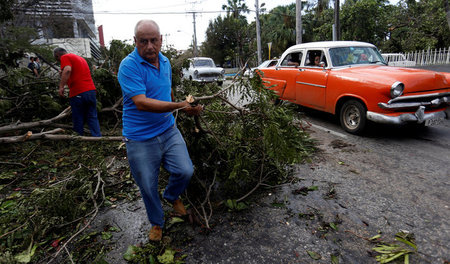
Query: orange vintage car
point(351, 80)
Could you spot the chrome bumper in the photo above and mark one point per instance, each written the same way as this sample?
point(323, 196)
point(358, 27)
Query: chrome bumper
point(434, 99)
point(418, 117)
point(208, 79)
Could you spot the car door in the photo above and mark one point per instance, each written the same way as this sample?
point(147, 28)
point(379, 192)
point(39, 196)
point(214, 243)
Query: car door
point(311, 82)
point(288, 71)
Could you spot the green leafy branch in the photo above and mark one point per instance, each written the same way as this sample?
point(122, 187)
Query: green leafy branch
point(388, 252)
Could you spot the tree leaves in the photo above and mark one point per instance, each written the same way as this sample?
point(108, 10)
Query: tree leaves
point(388, 252)
point(233, 205)
point(314, 255)
point(25, 256)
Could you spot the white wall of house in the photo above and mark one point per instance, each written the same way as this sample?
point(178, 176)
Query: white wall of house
point(78, 46)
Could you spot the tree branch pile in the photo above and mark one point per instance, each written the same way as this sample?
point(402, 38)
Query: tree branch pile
point(241, 142)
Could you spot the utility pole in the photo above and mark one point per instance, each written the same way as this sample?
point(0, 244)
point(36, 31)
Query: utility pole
point(337, 28)
point(166, 41)
point(298, 23)
point(258, 33)
point(195, 35)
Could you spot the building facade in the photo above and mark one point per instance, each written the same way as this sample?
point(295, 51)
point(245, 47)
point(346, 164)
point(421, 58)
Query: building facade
point(64, 23)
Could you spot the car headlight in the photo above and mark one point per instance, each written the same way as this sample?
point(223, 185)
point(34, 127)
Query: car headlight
point(222, 72)
point(397, 89)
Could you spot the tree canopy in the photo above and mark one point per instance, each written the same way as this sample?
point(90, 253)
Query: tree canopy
point(402, 27)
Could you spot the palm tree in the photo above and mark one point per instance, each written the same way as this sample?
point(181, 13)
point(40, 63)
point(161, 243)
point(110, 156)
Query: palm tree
point(235, 7)
point(278, 27)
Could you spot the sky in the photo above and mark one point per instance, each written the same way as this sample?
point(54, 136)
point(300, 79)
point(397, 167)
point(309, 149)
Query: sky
point(174, 17)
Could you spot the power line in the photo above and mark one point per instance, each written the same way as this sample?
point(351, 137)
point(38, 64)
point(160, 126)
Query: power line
point(154, 13)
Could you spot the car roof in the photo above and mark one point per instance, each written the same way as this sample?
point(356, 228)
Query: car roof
point(329, 44)
point(201, 58)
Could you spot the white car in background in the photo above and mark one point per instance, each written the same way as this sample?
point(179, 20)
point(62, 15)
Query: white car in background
point(268, 63)
point(397, 59)
point(203, 70)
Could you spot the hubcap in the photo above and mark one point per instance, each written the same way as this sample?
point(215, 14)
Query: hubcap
point(352, 117)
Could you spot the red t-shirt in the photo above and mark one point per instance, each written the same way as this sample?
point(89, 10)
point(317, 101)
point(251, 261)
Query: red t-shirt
point(80, 79)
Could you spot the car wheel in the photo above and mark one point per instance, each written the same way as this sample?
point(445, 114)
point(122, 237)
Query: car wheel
point(353, 117)
point(220, 83)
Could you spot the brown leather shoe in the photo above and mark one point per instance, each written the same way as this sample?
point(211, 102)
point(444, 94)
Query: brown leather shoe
point(155, 233)
point(178, 207)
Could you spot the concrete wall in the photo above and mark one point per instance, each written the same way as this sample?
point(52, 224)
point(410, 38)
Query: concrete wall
point(78, 46)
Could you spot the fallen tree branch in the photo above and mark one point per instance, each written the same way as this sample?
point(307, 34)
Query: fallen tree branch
point(114, 107)
point(261, 180)
point(51, 135)
point(100, 184)
point(28, 135)
point(13, 127)
point(19, 227)
point(204, 216)
point(13, 163)
point(222, 90)
point(240, 109)
point(211, 131)
point(82, 138)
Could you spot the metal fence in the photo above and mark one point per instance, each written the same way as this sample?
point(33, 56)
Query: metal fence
point(429, 57)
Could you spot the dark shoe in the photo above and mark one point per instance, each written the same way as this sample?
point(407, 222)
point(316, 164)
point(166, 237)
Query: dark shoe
point(155, 233)
point(178, 207)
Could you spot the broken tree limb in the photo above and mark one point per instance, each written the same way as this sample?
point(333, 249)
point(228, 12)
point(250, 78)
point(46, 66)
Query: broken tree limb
point(51, 136)
point(27, 136)
point(14, 127)
point(219, 93)
point(82, 138)
point(114, 107)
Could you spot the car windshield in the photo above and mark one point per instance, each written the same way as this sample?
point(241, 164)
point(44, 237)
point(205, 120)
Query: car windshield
point(265, 64)
point(355, 55)
point(203, 63)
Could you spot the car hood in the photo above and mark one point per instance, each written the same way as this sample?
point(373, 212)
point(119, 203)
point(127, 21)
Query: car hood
point(415, 80)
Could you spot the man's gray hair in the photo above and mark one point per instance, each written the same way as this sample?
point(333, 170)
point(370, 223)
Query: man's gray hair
point(59, 51)
point(145, 21)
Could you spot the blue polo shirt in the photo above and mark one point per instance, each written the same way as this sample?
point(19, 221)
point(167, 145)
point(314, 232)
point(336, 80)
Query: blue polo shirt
point(137, 76)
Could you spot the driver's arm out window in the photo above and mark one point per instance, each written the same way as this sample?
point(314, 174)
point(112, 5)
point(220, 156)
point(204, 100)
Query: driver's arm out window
point(295, 57)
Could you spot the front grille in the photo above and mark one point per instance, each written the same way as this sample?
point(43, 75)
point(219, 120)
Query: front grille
point(433, 100)
point(209, 74)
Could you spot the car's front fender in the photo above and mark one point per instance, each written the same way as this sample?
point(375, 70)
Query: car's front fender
point(276, 85)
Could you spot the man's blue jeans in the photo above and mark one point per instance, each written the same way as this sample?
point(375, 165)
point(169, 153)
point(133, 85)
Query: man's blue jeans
point(145, 159)
point(84, 110)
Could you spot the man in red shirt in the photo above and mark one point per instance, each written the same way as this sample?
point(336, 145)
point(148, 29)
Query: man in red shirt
point(76, 74)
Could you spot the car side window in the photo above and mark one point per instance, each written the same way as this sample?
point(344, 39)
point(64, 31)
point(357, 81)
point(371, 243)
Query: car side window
point(314, 58)
point(272, 63)
point(292, 59)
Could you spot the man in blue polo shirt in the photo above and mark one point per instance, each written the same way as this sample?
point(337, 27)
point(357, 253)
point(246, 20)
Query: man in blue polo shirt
point(149, 130)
